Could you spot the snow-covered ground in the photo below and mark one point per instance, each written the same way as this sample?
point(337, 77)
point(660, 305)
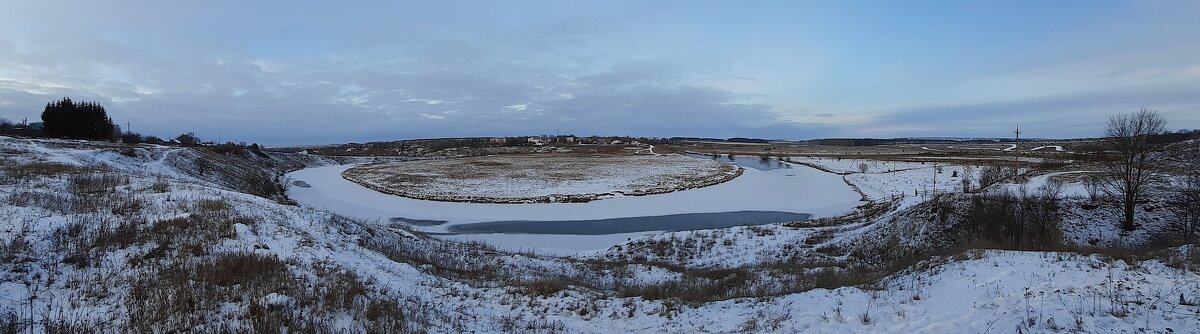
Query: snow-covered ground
point(1083, 223)
point(799, 190)
point(541, 178)
point(1056, 148)
point(993, 291)
point(977, 291)
point(887, 179)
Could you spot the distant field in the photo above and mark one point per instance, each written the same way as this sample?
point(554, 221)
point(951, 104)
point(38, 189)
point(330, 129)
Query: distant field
point(541, 178)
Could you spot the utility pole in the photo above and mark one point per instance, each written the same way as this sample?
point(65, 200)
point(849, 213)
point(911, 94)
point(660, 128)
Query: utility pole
point(935, 173)
point(1017, 147)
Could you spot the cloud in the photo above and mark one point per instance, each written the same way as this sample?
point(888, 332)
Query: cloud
point(1055, 116)
point(284, 73)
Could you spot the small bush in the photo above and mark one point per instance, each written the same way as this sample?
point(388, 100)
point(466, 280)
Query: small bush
point(229, 148)
point(161, 185)
point(244, 269)
point(542, 286)
point(993, 174)
point(1014, 221)
point(96, 183)
point(212, 205)
point(9, 323)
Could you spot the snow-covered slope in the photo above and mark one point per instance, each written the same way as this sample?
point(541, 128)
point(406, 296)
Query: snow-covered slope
point(92, 241)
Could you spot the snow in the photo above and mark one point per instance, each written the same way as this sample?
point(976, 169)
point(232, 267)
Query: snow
point(550, 244)
point(799, 190)
point(540, 178)
point(1000, 291)
point(978, 292)
point(1055, 147)
point(887, 179)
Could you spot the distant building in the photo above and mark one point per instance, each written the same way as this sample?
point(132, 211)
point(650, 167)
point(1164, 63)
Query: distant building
point(37, 126)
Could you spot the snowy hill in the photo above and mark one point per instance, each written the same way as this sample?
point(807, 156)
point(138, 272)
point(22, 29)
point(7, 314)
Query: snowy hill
point(95, 237)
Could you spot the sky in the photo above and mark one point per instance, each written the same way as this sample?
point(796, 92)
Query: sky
point(315, 72)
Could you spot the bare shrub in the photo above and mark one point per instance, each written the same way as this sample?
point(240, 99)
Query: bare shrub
point(340, 288)
point(185, 293)
point(543, 286)
point(9, 323)
point(1013, 221)
point(56, 202)
point(242, 269)
point(1094, 187)
point(210, 222)
point(386, 316)
point(228, 148)
point(865, 317)
point(118, 235)
point(96, 183)
point(1051, 190)
point(60, 323)
point(160, 185)
point(38, 169)
point(212, 205)
point(264, 186)
point(9, 251)
point(1187, 203)
point(126, 205)
point(993, 174)
point(968, 177)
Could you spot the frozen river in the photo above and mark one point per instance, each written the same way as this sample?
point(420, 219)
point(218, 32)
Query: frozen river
point(770, 196)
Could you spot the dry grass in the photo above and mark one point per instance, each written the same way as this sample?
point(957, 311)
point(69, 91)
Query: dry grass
point(491, 179)
point(21, 171)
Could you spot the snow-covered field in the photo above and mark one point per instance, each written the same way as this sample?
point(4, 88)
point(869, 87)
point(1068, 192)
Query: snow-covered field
point(799, 190)
point(78, 255)
point(888, 179)
point(992, 291)
point(541, 178)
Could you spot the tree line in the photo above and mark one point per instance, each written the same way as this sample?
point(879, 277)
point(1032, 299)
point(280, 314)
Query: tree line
point(67, 118)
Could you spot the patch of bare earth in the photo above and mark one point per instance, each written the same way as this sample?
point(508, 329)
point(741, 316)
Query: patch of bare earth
point(541, 178)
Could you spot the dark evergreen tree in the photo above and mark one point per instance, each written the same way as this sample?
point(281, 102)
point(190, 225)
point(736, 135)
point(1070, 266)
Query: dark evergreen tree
point(83, 120)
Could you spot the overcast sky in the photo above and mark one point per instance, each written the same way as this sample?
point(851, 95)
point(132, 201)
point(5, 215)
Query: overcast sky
point(308, 72)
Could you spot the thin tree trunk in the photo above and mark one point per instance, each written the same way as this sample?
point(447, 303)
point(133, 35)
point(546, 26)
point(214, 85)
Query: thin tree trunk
point(1129, 206)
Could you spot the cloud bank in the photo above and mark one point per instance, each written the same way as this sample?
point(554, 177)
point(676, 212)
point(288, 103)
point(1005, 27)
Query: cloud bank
point(290, 73)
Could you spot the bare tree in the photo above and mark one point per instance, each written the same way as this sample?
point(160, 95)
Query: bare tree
point(1051, 190)
point(1094, 187)
point(1188, 193)
point(1132, 170)
point(991, 174)
point(968, 177)
point(1189, 205)
point(863, 167)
